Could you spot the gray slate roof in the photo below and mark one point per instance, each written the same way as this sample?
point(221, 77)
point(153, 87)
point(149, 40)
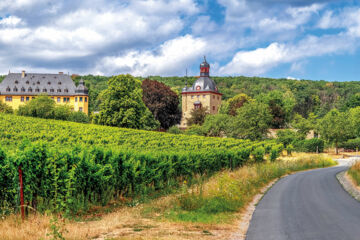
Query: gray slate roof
point(37, 83)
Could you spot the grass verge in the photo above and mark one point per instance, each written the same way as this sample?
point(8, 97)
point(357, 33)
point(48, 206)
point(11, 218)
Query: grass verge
point(354, 172)
point(231, 191)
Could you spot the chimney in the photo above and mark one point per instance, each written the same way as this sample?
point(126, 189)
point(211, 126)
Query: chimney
point(23, 74)
point(61, 73)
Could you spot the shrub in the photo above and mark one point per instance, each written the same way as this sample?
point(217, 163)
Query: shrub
point(195, 130)
point(258, 154)
point(4, 108)
point(79, 117)
point(289, 149)
point(286, 137)
point(276, 151)
point(351, 144)
point(174, 130)
point(62, 112)
point(310, 145)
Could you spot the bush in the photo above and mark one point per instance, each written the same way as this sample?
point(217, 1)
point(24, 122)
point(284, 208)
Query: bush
point(62, 112)
point(4, 108)
point(275, 152)
point(351, 144)
point(174, 130)
point(289, 149)
point(79, 117)
point(258, 154)
point(286, 137)
point(310, 145)
point(195, 130)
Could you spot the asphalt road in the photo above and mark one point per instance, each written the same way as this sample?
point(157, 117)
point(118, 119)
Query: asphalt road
point(307, 205)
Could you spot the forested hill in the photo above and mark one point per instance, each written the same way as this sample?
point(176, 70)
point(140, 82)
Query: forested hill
point(311, 96)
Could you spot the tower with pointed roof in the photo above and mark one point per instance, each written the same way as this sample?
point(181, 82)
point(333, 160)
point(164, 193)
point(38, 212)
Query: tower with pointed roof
point(202, 94)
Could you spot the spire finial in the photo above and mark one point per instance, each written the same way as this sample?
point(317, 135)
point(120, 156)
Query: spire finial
point(204, 58)
point(186, 80)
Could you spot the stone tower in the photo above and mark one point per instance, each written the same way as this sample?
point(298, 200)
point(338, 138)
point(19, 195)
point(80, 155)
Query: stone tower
point(202, 94)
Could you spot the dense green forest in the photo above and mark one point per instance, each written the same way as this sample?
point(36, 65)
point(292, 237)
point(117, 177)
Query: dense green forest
point(318, 97)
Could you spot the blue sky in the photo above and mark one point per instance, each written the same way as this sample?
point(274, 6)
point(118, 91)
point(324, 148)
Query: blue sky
point(298, 39)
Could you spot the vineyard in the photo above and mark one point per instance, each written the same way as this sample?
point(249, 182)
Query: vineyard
point(69, 166)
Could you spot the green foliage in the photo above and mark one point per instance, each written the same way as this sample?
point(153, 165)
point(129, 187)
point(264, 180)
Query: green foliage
point(174, 130)
point(286, 137)
point(276, 151)
point(42, 107)
point(258, 154)
point(195, 130)
point(56, 229)
point(303, 125)
point(281, 106)
point(310, 145)
point(237, 102)
point(197, 116)
point(335, 127)
point(289, 149)
point(122, 105)
point(218, 125)
point(4, 108)
point(68, 167)
point(45, 107)
point(353, 144)
point(354, 119)
point(252, 121)
point(79, 117)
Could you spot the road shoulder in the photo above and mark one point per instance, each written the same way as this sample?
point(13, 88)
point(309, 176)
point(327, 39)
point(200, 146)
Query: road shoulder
point(348, 184)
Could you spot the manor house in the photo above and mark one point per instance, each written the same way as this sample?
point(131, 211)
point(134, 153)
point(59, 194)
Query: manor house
point(202, 94)
point(19, 88)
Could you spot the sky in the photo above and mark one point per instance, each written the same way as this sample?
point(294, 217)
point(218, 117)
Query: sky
point(295, 39)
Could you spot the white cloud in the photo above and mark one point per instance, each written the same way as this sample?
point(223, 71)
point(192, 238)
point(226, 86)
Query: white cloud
point(260, 60)
point(11, 21)
point(165, 60)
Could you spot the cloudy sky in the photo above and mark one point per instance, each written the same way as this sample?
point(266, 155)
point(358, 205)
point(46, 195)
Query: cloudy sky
point(301, 39)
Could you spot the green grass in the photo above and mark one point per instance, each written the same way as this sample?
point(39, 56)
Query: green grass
point(231, 191)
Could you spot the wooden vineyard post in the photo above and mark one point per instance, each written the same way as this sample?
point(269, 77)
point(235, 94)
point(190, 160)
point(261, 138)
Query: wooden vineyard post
point(21, 194)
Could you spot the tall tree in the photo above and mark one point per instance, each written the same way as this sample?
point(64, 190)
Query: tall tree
point(4, 108)
point(162, 102)
point(237, 102)
point(335, 127)
point(197, 116)
point(122, 105)
point(253, 121)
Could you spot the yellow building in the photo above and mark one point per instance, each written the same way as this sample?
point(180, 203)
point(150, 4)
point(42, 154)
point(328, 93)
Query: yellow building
point(19, 88)
point(202, 94)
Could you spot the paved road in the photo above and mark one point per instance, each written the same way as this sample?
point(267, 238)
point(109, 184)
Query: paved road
point(307, 205)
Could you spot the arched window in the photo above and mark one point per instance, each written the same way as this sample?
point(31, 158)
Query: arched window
point(59, 90)
point(66, 90)
point(8, 89)
point(30, 89)
point(37, 90)
point(44, 90)
point(51, 90)
point(22, 89)
point(15, 89)
point(16, 82)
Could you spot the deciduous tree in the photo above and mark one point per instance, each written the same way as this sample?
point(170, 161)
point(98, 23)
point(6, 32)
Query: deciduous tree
point(162, 102)
point(122, 105)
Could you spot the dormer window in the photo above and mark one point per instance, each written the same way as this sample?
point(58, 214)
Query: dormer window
point(38, 82)
point(15, 89)
point(30, 89)
point(66, 90)
point(37, 90)
point(8, 89)
point(44, 90)
point(16, 82)
point(51, 90)
point(22, 89)
point(27, 82)
point(49, 83)
point(59, 90)
point(59, 83)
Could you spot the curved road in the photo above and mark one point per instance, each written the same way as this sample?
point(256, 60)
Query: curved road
point(307, 205)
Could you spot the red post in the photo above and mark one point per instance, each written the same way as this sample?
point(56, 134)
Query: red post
point(21, 194)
